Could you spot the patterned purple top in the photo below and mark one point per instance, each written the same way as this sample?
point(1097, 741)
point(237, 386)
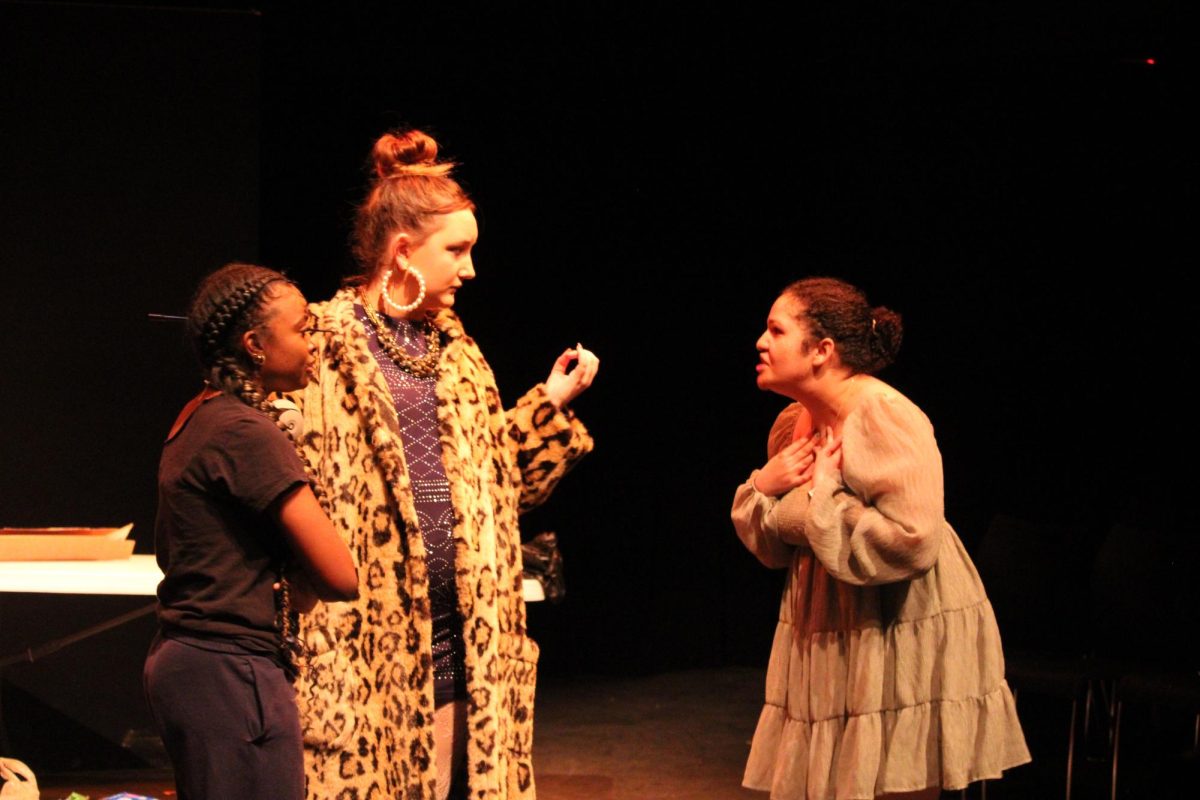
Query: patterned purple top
point(416, 408)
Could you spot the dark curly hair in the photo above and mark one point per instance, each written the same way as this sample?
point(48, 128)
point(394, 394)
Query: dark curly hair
point(867, 338)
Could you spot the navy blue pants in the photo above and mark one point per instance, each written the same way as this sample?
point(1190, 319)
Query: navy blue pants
point(229, 723)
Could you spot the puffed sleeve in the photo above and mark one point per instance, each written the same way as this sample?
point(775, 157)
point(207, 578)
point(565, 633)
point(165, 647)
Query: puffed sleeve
point(884, 523)
point(754, 514)
point(546, 442)
point(753, 519)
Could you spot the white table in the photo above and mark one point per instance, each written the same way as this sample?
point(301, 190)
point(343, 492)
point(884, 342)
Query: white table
point(136, 575)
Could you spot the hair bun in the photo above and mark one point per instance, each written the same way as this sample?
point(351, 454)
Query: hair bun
point(407, 152)
point(887, 332)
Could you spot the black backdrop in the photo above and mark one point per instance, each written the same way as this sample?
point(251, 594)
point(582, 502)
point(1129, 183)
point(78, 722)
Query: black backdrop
point(1020, 186)
point(129, 160)
point(130, 166)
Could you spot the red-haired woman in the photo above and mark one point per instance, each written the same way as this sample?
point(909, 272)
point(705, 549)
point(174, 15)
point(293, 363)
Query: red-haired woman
point(431, 669)
point(886, 677)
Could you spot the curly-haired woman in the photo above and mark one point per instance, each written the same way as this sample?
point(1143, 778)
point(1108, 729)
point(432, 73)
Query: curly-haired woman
point(886, 676)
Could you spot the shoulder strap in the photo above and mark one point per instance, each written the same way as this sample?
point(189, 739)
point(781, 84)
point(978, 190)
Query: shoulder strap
point(206, 394)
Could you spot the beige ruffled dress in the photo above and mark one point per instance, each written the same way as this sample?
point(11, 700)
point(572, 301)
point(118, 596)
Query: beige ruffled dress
point(886, 672)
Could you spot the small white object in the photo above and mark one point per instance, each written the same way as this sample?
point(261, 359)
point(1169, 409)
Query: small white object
point(289, 416)
point(532, 590)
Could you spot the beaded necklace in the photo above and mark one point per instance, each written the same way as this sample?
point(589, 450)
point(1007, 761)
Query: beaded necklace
point(291, 648)
point(418, 366)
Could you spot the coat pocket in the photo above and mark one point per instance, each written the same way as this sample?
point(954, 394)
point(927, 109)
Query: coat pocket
point(518, 677)
point(326, 693)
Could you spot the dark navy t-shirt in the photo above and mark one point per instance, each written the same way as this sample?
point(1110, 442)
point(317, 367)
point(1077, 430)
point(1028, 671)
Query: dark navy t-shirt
point(218, 548)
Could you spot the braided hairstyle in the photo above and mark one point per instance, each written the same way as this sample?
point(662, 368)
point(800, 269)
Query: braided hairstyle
point(229, 302)
point(867, 339)
point(409, 188)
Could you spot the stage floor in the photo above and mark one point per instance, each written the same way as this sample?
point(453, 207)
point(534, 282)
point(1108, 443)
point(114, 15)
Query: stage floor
point(678, 735)
point(685, 736)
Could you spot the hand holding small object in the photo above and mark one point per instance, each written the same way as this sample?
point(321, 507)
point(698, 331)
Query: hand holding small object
point(562, 386)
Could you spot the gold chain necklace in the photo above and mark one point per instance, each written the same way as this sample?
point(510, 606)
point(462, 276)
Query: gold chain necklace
point(418, 366)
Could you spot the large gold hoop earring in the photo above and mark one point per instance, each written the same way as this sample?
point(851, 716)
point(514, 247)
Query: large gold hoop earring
point(387, 298)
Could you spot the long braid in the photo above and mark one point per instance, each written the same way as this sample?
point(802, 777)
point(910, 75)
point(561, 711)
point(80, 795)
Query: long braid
point(228, 303)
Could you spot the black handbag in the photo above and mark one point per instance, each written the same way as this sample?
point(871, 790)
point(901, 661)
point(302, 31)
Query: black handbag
point(543, 562)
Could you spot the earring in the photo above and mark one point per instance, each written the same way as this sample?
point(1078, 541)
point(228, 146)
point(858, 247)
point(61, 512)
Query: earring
point(259, 358)
point(387, 298)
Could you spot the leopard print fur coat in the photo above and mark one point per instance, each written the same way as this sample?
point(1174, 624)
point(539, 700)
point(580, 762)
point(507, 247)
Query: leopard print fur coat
point(366, 698)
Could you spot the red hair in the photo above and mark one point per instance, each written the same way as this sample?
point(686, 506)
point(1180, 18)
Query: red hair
point(410, 187)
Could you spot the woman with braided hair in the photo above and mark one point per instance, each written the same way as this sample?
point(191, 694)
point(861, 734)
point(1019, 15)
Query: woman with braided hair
point(423, 687)
point(886, 677)
point(244, 545)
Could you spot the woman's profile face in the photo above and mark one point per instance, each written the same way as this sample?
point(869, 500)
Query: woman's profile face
point(784, 354)
point(443, 257)
point(283, 339)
